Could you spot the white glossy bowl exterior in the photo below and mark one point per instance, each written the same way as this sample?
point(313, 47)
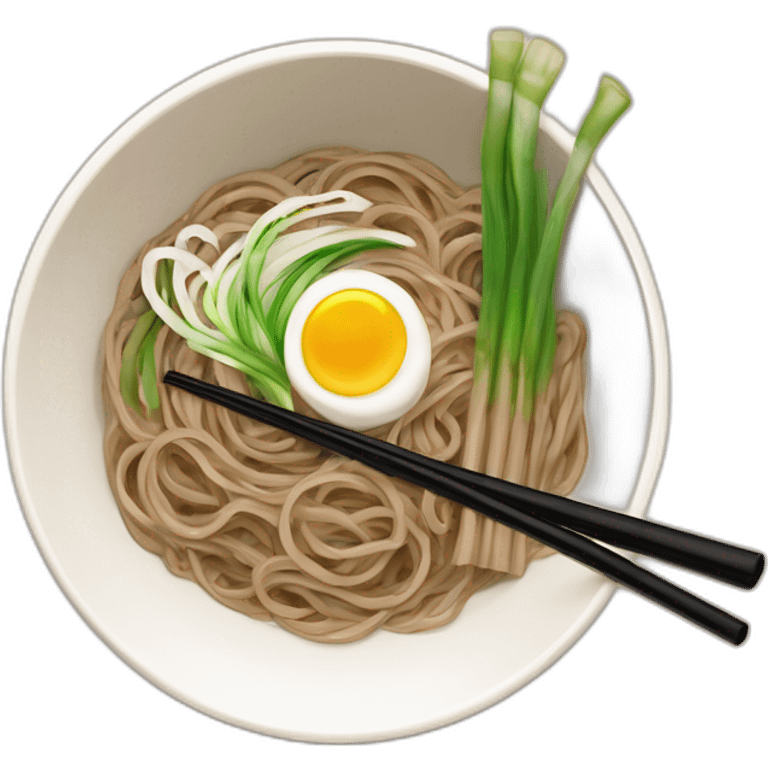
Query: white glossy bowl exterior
point(248, 112)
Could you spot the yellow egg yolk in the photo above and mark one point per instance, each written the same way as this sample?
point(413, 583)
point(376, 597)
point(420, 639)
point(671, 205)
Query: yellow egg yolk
point(353, 342)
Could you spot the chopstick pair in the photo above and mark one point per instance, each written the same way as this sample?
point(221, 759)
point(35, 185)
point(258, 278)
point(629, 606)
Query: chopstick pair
point(561, 523)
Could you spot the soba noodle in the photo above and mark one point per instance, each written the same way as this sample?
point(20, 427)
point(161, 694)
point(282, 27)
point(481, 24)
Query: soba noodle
point(280, 530)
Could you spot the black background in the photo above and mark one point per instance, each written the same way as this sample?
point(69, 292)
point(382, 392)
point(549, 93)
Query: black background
point(683, 162)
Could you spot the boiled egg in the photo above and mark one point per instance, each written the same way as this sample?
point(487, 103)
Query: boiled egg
point(357, 349)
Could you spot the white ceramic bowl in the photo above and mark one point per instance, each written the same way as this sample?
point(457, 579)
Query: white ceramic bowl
point(249, 112)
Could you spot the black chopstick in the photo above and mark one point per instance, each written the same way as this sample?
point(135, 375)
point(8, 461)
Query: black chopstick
point(717, 559)
point(400, 463)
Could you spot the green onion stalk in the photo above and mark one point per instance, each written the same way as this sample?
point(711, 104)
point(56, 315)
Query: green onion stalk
point(499, 232)
point(539, 340)
point(538, 70)
point(516, 336)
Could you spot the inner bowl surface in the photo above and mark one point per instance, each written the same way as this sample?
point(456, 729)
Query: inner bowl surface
point(254, 111)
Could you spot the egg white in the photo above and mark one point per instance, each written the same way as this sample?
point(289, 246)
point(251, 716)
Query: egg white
point(399, 394)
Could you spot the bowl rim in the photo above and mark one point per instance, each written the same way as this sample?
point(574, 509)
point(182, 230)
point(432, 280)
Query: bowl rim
point(446, 65)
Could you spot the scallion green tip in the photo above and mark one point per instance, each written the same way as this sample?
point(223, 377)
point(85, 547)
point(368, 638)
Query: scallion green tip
point(506, 48)
point(539, 69)
point(611, 101)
